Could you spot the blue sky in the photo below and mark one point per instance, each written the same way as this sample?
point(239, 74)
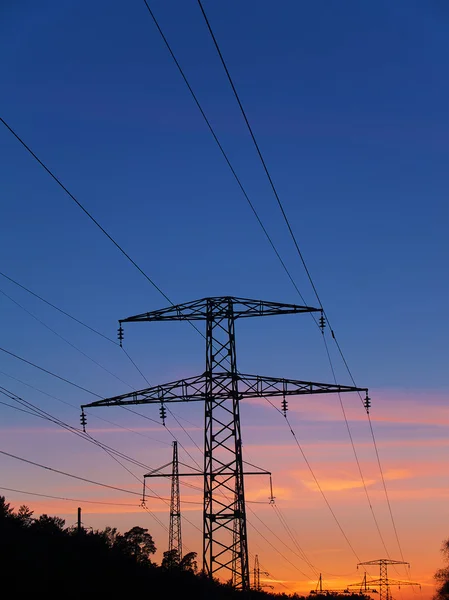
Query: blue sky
point(348, 102)
point(350, 108)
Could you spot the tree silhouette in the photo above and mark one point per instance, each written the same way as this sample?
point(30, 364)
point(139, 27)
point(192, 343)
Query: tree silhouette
point(40, 556)
point(6, 512)
point(46, 525)
point(442, 575)
point(172, 560)
point(25, 516)
point(136, 542)
point(188, 562)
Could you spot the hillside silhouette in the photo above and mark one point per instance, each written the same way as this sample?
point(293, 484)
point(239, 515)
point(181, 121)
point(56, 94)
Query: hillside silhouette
point(41, 555)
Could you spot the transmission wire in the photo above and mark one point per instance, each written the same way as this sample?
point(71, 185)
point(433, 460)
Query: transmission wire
point(135, 264)
point(228, 162)
point(287, 222)
point(49, 372)
point(64, 339)
point(59, 309)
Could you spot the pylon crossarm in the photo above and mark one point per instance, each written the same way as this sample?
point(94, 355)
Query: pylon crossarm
point(197, 310)
point(377, 582)
point(398, 582)
point(257, 386)
point(194, 389)
point(154, 471)
point(227, 474)
point(182, 390)
point(361, 584)
point(385, 561)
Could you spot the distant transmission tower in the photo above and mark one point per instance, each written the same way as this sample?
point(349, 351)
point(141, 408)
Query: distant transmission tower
point(174, 533)
point(256, 579)
point(257, 586)
point(221, 387)
point(383, 583)
point(174, 530)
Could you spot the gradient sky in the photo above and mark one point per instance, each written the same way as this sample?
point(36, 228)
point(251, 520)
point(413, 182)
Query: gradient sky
point(348, 101)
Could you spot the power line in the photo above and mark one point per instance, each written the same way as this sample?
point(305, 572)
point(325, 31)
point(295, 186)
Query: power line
point(143, 505)
point(28, 412)
point(121, 249)
point(258, 151)
point(38, 412)
point(112, 240)
point(86, 212)
point(168, 409)
point(246, 195)
point(126, 408)
point(84, 325)
point(50, 372)
point(59, 309)
point(84, 354)
point(292, 536)
point(274, 547)
point(93, 393)
point(273, 578)
point(321, 490)
point(72, 383)
point(225, 156)
point(76, 385)
point(385, 489)
point(355, 451)
point(94, 414)
point(78, 477)
point(73, 346)
point(86, 480)
point(287, 222)
point(64, 339)
point(110, 451)
point(67, 499)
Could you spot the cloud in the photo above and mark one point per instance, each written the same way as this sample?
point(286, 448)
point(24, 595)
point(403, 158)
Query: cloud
point(336, 485)
point(391, 474)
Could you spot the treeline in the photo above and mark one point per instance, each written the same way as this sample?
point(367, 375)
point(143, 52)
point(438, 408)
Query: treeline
point(42, 556)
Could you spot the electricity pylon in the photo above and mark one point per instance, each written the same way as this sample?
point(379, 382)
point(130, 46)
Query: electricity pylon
point(364, 586)
point(221, 387)
point(257, 586)
point(384, 583)
point(174, 532)
point(320, 591)
point(256, 579)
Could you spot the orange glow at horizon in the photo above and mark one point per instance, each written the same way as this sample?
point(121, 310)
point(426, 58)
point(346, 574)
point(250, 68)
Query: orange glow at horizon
point(410, 441)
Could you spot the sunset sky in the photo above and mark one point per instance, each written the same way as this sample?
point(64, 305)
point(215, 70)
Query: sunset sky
point(348, 101)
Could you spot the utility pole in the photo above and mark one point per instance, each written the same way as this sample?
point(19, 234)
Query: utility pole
point(79, 525)
point(383, 583)
point(221, 387)
point(174, 534)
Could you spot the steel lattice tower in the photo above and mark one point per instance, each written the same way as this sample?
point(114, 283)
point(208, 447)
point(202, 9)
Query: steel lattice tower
point(384, 583)
point(256, 578)
point(174, 533)
point(221, 387)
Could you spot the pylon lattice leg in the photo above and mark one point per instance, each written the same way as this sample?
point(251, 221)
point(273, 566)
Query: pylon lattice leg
point(225, 536)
